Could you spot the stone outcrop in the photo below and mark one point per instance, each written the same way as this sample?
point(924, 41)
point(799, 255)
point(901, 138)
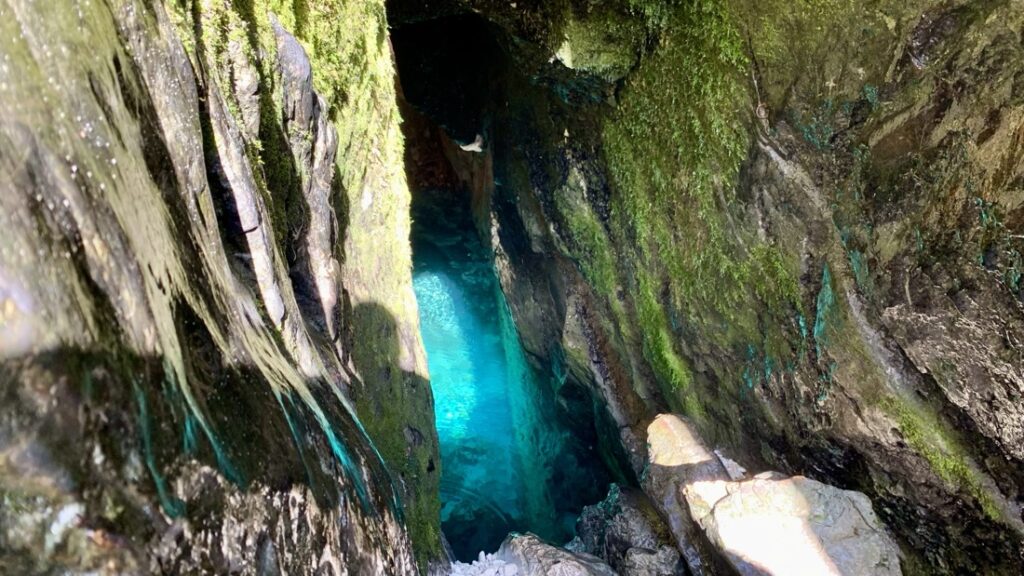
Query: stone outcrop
point(313, 142)
point(809, 243)
point(534, 557)
point(626, 532)
point(767, 524)
point(799, 224)
point(528, 555)
point(178, 370)
point(777, 525)
point(722, 519)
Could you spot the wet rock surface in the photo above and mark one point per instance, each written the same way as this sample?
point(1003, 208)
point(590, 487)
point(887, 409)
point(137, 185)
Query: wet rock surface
point(845, 305)
point(171, 401)
point(809, 243)
point(313, 141)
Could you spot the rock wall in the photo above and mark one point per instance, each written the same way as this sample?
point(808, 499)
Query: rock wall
point(800, 224)
point(797, 223)
point(205, 293)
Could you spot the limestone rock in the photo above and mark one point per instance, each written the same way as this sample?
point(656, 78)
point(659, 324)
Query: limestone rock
point(534, 557)
point(676, 458)
point(768, 524)
point(799, 526)
point(626, 532)
point(165, 404)
point(313, 142)
point(664, 561)
point(245, 86)
point(879, 141)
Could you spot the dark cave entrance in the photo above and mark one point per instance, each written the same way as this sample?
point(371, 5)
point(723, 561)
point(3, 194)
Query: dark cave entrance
point(514, 455)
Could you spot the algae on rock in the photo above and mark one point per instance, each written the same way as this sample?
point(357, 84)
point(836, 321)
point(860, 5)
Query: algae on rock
point(352, 71)
point(197, 279)
point(799, 223)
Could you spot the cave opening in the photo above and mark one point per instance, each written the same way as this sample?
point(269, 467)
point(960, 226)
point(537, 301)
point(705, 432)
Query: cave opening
point(514, 456)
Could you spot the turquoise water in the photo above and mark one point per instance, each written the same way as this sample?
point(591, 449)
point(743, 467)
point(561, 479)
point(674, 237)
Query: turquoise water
point(508, 464)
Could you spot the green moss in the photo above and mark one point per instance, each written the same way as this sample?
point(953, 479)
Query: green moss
point(673, 148)
point(655, 12)
point(773, 278)
point(670, 368)
point(587, 235)
point(946, 457)
point(346, 45)
point(179, 12)
point(807, 46)
point(390, 403)
point(604, 42)
point(674, 131)
point(346, 42)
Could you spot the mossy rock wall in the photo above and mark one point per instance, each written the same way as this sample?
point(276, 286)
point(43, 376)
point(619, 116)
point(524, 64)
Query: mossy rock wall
point(353, 72)
point(800, 224)
point(184, 343)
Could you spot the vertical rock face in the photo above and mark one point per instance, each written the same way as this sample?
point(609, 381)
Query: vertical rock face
point(177, 312)
point(313, 142)
point(799, 224)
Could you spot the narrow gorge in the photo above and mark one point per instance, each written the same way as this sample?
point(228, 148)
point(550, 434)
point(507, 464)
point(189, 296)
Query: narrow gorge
point(482, 287)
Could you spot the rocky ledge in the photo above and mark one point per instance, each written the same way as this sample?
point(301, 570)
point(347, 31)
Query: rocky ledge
point(701, 513)
point(766, 524)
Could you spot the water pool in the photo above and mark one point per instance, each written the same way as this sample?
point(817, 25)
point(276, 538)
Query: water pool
point(508, 462)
